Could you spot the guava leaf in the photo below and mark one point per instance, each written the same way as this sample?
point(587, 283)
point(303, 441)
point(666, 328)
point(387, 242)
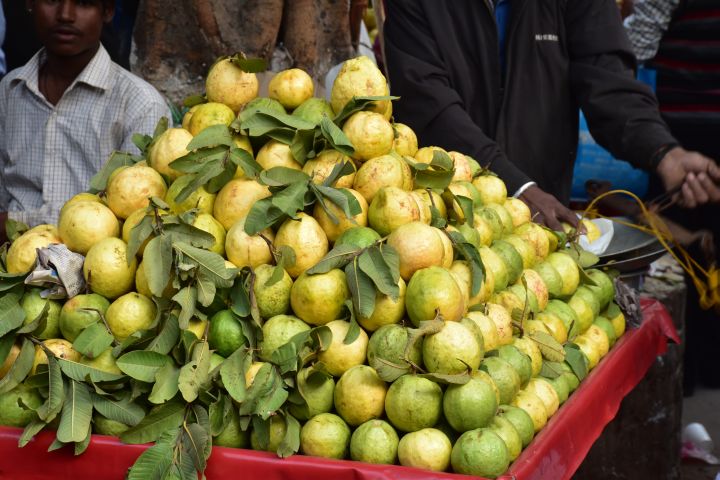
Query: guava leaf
point(196, 160)
point(472, 256)
point(80, 372)
point(39, 323)
point(166, 383)
point(466, 205)
point(211, 169)
point(211, 136)
point(6, 344)
point(76, 413)
point(338, 257)
point(31, 429)
point(157, 264)
point(142, 365)
point(442, 161)
point(210, 262)
point(448, 379)
point(55, 394)
point(291, 441)
point(373, 264)
point(193, 100)
point(389, 371)
point(291, 200)
point(302, 145)
point(20, 368)
point(232, 372)
point(13, 229)
point(549, 347)
point(138, 235)
point(219, 413)
point(435, 179)
point(165, 417)
point(340, 170)
point(196, 441)
point(195, 374)
point(357, 104)
point(262, 215)
point(93, 340)
point(155, 461)
point(551, 369)
point(577, 360)
point(186, 297)
point(249, 65)
point(282, 177)
point(168, 336)
point(11, 313)
point(335, 136)
point(392, 259)
point(117, 159)
point(80, 447)
point(361, 289)
point(415, 335)
point(345, 200)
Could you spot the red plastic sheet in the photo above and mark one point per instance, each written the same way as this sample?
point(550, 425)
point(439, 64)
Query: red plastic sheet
point(554, 454)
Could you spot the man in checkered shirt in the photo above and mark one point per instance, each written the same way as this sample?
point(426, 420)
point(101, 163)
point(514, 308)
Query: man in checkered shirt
point(65, 111)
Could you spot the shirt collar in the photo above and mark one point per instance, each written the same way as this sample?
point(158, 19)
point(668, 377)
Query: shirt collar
point(95, 74)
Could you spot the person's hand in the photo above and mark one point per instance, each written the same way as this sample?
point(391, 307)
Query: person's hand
point(547, 209)
point(698, 175)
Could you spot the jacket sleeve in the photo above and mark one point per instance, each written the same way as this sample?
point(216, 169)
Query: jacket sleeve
point(622, 112)
point(429, 104)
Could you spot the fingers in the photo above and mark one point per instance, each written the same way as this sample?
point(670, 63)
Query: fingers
point(552, 222)
point(713, 171)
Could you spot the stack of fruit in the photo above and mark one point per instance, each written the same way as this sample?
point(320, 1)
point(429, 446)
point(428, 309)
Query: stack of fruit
point(309, 282)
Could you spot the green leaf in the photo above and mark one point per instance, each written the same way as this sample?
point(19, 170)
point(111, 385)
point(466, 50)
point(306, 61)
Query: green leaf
point(161, 419)
point(11, 313)
point(551, 369)
point(361, 289)
point(262, 215)
point(219, 413)
point(56, 445)
point(20, 368)
point(168, 336)
point(138, 235)
point(211, 136)
point(154, 462)
point(205, 288)
point(211, 169)
point(194, 374)
point(212, 263)
point(435, 179)
point(39, 323)
point(56, 392)
point(142, 365)
point(80, 372)
point(357, 104)
point(338, 257)
point(372, 263)
point(157, 264)
point(341, 197)
point(6, 344)
point(549, 347)
point(117, 159)
point(302, 145)
point(335, 136)
point(442, 161)
point(166, 383)
point(13, 229)
point(282, 177)
point(193, 100)
point(471, 254)
point(196, 441)
point(249, 65)
point(195, 161)
point(448, 379)
point(266, 394)
point(142, 142)
point(341, 169)
point(466, 205)
point(93, 340)
point(31, 429)
point(577, 361)
point(291, 200)
point(389, 371)
point(232, 372)
point(291, 441)
point(123, 411)
point(184, 232)
point(76, 413)
point(392, 259)
point(187, 299)
point(80, 447)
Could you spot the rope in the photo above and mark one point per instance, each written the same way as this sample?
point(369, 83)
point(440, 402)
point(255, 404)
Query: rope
point(707, 282)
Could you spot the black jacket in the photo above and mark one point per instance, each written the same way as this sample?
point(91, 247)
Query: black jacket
point(442, 58)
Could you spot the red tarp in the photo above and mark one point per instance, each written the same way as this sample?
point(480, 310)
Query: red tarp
point(554, 454)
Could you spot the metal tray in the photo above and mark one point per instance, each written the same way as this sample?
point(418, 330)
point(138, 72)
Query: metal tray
point(633, 263)
point(628, 243)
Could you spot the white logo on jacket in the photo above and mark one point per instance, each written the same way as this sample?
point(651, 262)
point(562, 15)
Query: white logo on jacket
point(546, 37)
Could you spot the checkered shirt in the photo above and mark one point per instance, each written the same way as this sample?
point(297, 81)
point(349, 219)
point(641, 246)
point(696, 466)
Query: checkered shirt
point(49, 153)
point(646, 26)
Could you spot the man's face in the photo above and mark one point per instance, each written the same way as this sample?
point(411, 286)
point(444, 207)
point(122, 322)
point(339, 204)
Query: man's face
point(69, 27)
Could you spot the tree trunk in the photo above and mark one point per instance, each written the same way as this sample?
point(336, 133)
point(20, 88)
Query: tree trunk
point(176, 41)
